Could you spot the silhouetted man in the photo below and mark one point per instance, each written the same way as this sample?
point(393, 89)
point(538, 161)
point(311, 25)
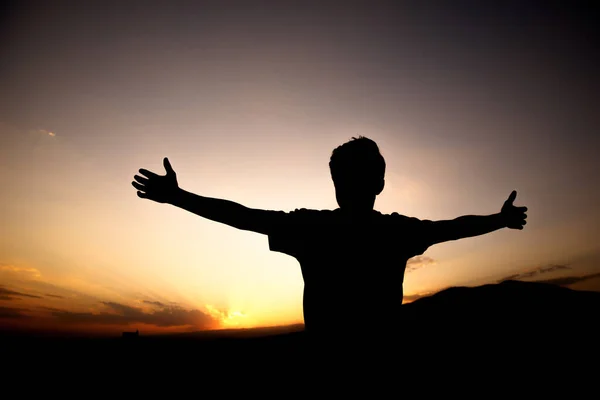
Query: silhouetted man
point(352, 258)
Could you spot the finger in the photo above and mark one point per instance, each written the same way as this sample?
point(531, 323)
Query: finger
point(168, 167)
point(138, 186)
point(141, 179)
point(522, 209)
point(512, 197)
point(142, 195)
point(147, 173)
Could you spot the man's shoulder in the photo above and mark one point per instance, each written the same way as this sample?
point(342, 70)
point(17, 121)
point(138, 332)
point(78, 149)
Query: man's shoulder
point(311, 211)
point(308, 214)
point(397, 217)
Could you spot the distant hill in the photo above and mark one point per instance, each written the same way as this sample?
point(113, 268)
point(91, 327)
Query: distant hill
point(509, 299)
point(509, 313)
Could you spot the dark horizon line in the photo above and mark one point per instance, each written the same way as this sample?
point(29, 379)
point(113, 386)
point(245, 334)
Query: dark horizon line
point(65, 333)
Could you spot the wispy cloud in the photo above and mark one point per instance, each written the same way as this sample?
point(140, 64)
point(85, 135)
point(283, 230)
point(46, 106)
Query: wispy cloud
point(419, 262)
point(26, 272)
point(92, 312)
point(12, 313)
point(535, 272)
point(569, 280)
point(46, 132)
point(121, 314)
point(154, 303)
point(539, 275)
point(7, 294)
point(226, 317)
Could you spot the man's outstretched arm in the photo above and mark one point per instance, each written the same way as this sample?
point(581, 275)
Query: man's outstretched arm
point(165, 189)
point(510, 216)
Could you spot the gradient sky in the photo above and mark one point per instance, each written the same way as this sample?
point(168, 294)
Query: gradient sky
point(248, 99)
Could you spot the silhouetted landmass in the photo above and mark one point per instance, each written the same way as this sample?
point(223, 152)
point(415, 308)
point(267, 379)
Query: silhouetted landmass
point(532, 305)
point(245, 333)
point(520, 323)
point(513, 316)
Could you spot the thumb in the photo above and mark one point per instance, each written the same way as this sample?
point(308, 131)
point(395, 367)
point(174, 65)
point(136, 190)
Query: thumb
point(168, 167)
point(512, 197)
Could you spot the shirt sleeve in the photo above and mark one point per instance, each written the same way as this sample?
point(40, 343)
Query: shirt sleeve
point(289, 233)
point(414, 233)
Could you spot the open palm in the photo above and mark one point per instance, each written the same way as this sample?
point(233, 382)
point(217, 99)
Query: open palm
point(160, 188)
point(514, 217)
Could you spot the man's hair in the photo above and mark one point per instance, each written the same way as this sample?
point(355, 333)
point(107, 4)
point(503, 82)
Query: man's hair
point(357, 160)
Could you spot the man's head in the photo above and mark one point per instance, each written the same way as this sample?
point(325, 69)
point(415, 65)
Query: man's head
point(358, 170)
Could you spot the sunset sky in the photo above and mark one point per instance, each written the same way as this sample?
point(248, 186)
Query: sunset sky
point(248, 99)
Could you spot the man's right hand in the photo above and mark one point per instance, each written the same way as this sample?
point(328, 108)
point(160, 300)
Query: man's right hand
point(160, 188)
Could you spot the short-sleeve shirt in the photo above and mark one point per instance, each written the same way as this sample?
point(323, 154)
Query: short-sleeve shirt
point(353, 266)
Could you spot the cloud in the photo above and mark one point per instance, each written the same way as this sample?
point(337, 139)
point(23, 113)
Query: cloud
point(7, 294)
point(535, 272)
point(227, 317)
point(560, 281)
point(419, 262)
point(154, 303)
point(45, 132)
point(45, 308)
point(27, 272)
point(12, 313)
point(569, 280)
point(55, 296)
point(121, 314)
